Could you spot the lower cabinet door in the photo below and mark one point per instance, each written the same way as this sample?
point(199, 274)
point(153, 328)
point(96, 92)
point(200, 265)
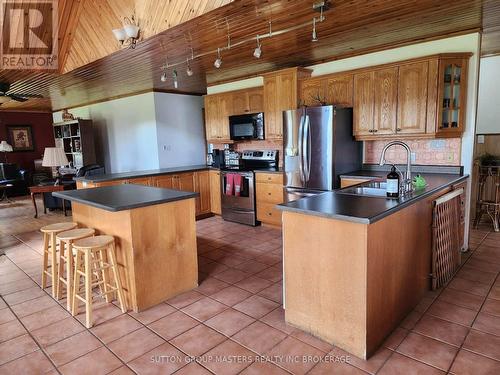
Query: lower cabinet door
point(202, 187)
point(268, 214)
point(215, 192)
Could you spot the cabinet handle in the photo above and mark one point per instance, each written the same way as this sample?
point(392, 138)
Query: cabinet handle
point(375, 130)
point(268, 193)
point(370, 131)
point(398, 129)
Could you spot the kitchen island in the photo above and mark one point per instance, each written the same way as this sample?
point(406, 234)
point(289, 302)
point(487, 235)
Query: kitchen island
point(355, 266)
point(155, 235)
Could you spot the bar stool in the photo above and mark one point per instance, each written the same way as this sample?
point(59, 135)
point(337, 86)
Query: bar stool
point(50, 248)
point(92, 254)
point(65, 240)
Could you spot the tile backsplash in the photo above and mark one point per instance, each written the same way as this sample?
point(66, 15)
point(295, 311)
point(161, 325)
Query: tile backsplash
point(427, 152)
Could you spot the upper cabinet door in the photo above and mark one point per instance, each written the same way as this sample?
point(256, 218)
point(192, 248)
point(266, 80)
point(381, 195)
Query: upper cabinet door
point(452, 95)
point(239, 103)
point(312, 92)
point(363, 103)
point(386, 100)
point(271, 125)
point(412, 98)
point(339, 90)
point(225, 110)
point(255, 100)
point(287, 91)
point(212, 116)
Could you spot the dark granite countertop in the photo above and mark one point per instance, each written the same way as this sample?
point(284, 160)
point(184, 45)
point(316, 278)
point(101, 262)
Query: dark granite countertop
point(364, 209)
point(138, 174)
point(124, 197)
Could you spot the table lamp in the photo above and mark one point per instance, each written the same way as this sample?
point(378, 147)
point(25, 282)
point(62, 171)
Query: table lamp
point(5, 147)
point(55, 157)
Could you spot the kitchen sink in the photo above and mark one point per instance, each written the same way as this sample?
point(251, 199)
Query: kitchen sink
point(369, 189)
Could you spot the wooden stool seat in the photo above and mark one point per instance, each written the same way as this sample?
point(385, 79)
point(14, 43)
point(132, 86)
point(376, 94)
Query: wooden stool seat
point(75, 234)
point(50, 248)
point(94, 242)
point(58, 227)
point(65, 240)
point(95, 259)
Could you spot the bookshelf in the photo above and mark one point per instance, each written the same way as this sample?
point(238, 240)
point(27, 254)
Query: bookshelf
point(77, 139)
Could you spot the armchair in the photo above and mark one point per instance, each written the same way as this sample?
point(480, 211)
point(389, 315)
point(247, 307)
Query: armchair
point(11, 174)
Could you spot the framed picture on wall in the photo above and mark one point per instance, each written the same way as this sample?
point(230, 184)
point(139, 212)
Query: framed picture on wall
point(21, 137)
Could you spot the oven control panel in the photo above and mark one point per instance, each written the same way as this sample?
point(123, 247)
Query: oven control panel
point(269, 155)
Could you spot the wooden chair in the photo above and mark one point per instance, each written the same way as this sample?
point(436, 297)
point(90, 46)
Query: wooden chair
point(65, 240)
point(92, 264)
point(50, 249)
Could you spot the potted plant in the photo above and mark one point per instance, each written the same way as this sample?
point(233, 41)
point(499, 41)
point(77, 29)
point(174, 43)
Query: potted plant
point(488, 159)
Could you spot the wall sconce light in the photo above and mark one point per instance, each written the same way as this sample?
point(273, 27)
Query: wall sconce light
point(128, 35)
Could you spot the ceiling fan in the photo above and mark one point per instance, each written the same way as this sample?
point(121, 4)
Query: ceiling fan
point(5, 96)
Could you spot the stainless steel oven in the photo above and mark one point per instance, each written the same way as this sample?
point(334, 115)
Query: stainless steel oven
point(241, 208)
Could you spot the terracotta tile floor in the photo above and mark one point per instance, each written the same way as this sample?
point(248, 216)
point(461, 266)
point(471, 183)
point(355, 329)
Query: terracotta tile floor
point(233, 316)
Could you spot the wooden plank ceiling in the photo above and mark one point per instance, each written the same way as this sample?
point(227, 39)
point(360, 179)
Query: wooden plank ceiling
point(96, 69)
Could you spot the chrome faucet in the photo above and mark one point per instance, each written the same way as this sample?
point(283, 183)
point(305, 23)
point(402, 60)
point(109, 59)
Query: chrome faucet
point(406, 184)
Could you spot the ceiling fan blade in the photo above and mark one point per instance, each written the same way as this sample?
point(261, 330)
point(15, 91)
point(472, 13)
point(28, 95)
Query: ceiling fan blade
point(17, 98)
point(29, 95)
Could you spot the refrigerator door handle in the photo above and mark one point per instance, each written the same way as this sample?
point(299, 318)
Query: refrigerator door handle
point(307, 147)
point(301, 149)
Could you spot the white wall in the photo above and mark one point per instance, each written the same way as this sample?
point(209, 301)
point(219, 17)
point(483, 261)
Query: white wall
point(180, 130)
point(488, 106)
point(130, 132)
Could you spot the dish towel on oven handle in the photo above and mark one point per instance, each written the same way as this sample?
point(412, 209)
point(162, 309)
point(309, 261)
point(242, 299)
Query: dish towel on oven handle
point(237, 180)
point(229, 183)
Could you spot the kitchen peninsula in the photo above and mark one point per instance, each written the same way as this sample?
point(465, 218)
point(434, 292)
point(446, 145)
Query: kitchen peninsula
point(155, 236)
point(355, 266)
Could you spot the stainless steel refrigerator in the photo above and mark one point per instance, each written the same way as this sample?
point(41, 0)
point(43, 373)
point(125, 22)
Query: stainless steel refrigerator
point(318, 147)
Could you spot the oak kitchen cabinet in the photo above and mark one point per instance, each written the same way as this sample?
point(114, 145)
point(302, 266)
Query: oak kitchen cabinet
point(218, 108)
point(247, 101)
point(268, 193)
point(280, 94)
point(334, 89)
point(197, 181)
point(215, 192)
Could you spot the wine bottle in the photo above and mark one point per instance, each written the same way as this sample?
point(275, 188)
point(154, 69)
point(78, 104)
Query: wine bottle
point(392, 186)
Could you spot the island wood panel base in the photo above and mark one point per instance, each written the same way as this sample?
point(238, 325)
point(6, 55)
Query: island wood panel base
point(155, 246)
point(351, 284)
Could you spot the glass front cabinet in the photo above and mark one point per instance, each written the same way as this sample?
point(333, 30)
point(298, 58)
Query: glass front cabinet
point(452, 96)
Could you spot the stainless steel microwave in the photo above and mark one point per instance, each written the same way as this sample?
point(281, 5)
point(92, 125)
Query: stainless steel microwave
point(246, 127)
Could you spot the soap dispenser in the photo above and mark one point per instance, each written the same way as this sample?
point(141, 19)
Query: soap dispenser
point(392, 186)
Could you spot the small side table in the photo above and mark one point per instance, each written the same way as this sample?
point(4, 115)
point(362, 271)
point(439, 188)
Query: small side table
point(4, 196)
point(40, 189)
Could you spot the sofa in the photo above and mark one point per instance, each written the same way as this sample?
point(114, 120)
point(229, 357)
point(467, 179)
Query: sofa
point(10, 173)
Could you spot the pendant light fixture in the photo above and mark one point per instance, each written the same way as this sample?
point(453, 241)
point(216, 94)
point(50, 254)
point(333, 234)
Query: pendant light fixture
point(258, 51)
point(218, 61)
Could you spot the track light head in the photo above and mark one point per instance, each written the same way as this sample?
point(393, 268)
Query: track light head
point(174, 76)
point(314, 34)
point(258, 51)
point(218, 61)
point(189, 71)
point(163, 77)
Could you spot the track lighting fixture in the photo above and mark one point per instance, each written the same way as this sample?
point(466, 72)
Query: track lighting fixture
point(163, 77)
point(258, 51)
point(218, 61)
point(174, 76)
point(189, 71)
point(314, 35)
